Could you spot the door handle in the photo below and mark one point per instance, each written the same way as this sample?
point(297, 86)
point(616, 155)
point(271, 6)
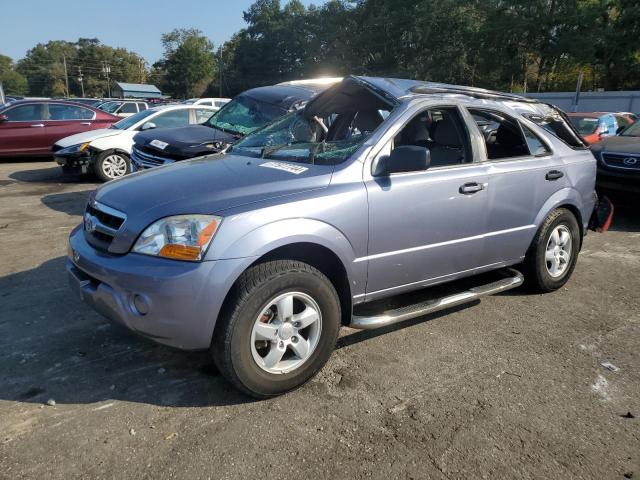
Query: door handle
point(470, 188)
point(38, 125)
point(85, 123)
point(554, 175)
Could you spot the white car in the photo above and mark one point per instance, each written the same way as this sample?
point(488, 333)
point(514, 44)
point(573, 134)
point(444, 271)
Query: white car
point(106, 152)
point(217, 103)
point(123, 108)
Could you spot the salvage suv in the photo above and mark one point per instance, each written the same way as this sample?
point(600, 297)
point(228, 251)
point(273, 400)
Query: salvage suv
point(377, 187)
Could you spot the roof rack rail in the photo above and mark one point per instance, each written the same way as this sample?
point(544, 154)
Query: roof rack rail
point(471, 92)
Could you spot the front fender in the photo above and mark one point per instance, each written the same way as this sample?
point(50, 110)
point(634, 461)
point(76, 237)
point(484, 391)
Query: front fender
point(280, 233)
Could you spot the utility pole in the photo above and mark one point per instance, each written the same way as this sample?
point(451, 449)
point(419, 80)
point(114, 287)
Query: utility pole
point(106, 69)
point(220, 72)
point(81, 80)
point(141, 65)
point(66, 74)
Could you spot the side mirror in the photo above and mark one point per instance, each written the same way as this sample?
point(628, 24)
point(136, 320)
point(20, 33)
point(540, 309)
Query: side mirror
point(408, 158)
point(148, 126)
point(3, 118)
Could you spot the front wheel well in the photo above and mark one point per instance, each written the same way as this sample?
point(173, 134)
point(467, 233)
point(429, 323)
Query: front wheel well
point(323, 259)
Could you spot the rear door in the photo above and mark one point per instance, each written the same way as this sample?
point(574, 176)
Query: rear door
point(64, 120)
point(24, 131)
point(523, 173)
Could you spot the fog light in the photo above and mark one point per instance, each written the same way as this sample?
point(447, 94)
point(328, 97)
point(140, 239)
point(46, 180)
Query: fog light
point(140, 305)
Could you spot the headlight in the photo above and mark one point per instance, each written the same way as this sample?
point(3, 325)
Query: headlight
point(81, 147)
point(182, 237)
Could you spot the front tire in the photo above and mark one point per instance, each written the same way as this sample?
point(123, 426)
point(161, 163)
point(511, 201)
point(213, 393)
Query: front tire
point(277, 329)
point(554, 252)
point(111, 165)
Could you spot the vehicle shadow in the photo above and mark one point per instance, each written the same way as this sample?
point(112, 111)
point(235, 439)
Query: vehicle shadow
point(71, 203)
point(626, 217)
point(54, 346)
point(50, 175)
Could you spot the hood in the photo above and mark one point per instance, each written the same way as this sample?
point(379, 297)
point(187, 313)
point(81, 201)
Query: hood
point(618, 144)
point(184, 142)
point(206, 185)
point(87, 137)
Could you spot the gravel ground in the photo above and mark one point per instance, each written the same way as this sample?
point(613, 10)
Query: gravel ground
point(510, 387)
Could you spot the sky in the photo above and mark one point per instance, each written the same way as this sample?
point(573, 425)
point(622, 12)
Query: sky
point(132, 24)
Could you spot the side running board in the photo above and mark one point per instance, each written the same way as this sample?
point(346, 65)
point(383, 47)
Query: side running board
point(390, 317)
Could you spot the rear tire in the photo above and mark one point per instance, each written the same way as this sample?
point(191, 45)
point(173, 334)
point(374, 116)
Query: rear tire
point(111, 165)
point(267, 345)
point(553, 253)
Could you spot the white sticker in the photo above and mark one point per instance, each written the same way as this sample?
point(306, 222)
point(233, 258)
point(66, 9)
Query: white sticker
point(158, 144)
point(286, 167)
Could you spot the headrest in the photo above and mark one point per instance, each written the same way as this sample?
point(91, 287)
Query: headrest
point(446, 133)
point(367, 120)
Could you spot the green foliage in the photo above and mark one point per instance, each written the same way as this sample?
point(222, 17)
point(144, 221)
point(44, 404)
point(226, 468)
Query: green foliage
point(502, 44)
point(189, 63)
point(44, 67)
point(13, 83)
point(512, 45)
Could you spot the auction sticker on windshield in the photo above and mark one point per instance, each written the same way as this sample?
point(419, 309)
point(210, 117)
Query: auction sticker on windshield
point(158, 144)
point(287, 167)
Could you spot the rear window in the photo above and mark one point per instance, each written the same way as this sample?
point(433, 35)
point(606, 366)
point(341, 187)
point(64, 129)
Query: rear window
point(584, 125)
point(559, 125)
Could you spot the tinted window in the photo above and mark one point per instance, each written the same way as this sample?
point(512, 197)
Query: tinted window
point(68, 112)
point(537, 147)
point(585, 125)
point(142, 106)
point(25, 113)
point(202, 115)
point(442, 131)
point(174, 118)
point(109, 107)
point(502, 134)
point(128, 108)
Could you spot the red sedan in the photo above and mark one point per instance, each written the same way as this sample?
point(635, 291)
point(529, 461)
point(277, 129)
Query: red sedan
point(31, 127)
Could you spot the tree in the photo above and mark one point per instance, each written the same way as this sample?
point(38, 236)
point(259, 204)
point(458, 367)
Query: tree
point(188, 65)
point(44, 67)
point(12, 81)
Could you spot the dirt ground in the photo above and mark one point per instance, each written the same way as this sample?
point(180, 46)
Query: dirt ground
point(510, 387)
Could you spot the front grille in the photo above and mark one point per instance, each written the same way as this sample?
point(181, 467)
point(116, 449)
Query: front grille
point(143, 159)
point(101, 224)
point(621, 161)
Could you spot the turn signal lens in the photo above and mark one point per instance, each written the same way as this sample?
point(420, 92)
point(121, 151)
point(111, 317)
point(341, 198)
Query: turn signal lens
point(180, 252)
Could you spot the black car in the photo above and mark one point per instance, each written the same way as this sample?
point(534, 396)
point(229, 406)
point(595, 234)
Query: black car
point(619, 160)
point(244, 114)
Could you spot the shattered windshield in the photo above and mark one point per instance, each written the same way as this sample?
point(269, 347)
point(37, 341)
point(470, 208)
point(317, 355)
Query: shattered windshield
point(243, 115)
point(326, 141)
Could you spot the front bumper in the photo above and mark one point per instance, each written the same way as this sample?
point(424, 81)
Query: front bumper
point(171, 302)
point(75, 162)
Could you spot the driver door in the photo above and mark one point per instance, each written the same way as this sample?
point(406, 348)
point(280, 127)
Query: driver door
point(427, 226)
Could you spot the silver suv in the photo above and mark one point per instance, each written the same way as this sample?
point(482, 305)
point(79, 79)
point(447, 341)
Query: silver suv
point(377, 187)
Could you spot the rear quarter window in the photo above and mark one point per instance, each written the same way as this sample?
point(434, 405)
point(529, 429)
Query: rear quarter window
point(559, 125)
